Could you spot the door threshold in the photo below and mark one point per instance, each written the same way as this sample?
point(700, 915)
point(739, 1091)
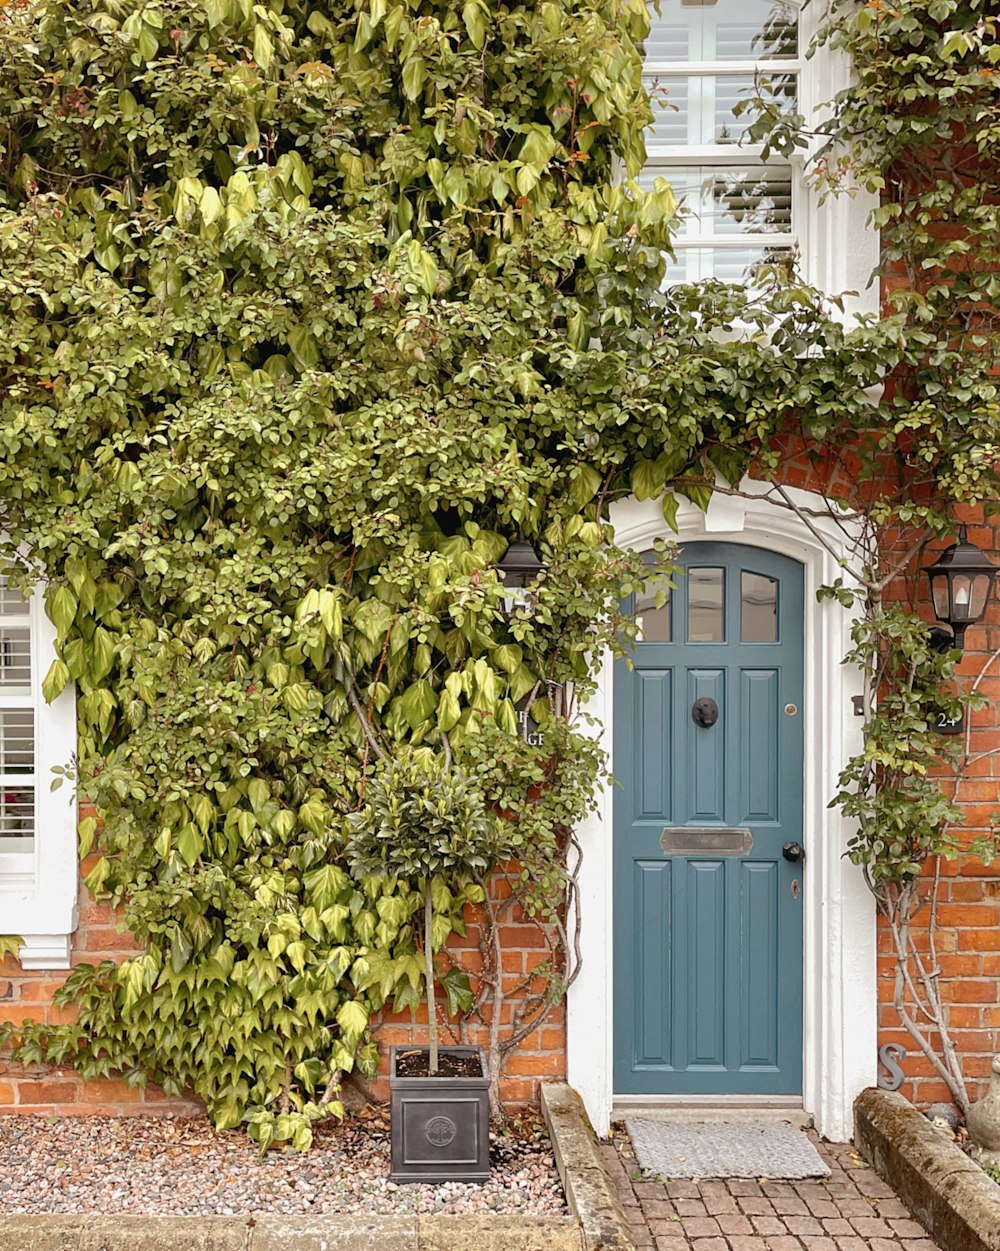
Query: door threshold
point(737, 1109)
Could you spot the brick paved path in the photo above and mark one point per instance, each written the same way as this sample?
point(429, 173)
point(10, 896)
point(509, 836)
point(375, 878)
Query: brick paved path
point(853, 1210)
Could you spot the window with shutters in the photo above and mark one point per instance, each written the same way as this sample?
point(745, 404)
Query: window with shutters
point(17, 726)
point(38, 868)
point(702, 57)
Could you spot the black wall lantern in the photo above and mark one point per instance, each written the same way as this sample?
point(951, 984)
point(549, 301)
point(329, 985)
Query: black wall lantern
point(520, 570)
point(961, 581)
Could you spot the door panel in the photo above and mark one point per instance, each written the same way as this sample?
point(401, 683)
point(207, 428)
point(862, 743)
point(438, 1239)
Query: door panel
point(654, 709)
point(708, 946)
point(707, 751)
point(706, 916)
point(759, 747)
point(652, 925)
point(759, 965)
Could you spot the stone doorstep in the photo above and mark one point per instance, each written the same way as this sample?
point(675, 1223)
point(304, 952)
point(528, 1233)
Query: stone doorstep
point(289, 1233)
point(597, 1222)
point(946, 1191)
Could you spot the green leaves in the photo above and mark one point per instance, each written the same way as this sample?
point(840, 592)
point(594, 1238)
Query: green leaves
point(61, 606)
point(648, 479)
point(321, 315)
point(54, 682)
point(474, 16)
point(102, 654)
point(263, 47)
point(325, 885)
point(417, 703)
point(458, 991)
point(189, 843)
point(423, 266)
point(414, 76)
point(210, 205)
point(353, 1021)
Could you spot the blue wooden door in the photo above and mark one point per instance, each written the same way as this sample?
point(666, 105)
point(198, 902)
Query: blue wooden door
point(708, 757)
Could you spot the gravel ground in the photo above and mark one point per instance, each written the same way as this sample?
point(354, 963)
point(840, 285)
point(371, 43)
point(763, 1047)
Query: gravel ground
point(182, 1167)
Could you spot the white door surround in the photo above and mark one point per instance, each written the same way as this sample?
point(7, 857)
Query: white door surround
point(840, 1008)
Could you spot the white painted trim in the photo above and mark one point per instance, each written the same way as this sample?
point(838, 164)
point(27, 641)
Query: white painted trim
point(840, 250)
point(46, 951)
point(840, 1013)
point(38, 891)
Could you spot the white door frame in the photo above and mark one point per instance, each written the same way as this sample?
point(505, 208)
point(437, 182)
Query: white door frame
point(840, 1012)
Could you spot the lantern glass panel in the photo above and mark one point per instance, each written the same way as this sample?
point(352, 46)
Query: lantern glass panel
point(961, 597)
point(939, 592)
point(515, 597)
point(981, 584)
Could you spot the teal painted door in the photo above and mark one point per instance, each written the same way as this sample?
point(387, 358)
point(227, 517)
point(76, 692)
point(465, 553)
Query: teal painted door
point(707, 909)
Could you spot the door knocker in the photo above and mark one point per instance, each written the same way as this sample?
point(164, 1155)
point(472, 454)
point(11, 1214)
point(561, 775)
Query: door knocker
point(705, 712)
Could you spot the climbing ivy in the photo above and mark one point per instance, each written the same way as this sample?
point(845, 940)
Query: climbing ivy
point(308, 311)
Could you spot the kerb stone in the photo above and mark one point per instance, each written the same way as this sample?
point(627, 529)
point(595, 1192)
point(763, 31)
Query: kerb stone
point(41, 1233)
point(496, 1233)
point(335, 1233)
point(946, 1191)
point(163, 1233)
point(591, 1197)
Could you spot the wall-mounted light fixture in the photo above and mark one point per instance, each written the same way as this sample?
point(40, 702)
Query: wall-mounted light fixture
point(961, 582)
point(520, 569)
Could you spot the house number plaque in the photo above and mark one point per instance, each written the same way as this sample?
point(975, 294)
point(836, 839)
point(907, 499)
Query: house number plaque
point(948, 725)
point(714, 840)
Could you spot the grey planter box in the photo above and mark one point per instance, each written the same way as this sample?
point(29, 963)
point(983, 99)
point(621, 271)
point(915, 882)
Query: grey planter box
point(440, 1125)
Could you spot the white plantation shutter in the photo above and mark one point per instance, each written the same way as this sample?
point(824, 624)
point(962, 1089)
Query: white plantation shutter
point(17, 725)
point(701, 58)
point(38, 864)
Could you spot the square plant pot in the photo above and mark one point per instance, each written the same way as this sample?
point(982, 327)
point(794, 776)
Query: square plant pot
point(440, 1125)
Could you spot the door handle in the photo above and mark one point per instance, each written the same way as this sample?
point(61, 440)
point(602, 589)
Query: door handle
point(794, 852)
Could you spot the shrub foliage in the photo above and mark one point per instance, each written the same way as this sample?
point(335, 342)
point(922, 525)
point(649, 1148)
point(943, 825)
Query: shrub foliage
point(308, 310)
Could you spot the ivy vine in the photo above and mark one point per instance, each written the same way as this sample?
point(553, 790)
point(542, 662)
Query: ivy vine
point(309, 310)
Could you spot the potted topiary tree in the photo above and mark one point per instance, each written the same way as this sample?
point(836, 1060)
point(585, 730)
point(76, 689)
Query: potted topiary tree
point(425, 821)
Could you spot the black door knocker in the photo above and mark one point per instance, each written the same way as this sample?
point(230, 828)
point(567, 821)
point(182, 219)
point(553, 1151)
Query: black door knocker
point(705, 712)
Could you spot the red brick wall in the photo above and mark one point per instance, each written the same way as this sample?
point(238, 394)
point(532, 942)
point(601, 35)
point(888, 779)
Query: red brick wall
point(28, 995)
point(968, 941)
point(540, 1056)
point(968, 917)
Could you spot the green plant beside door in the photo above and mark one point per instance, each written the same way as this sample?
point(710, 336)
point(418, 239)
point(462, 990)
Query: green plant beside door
point(425, 823)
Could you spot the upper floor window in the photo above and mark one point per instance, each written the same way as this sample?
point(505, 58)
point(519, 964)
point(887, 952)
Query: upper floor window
point(702, 57)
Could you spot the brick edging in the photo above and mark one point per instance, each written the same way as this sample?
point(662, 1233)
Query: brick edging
point(591, 1197)
point(947, 1192)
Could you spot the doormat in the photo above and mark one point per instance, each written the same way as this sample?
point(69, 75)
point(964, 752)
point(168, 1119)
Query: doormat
point(663, 1149)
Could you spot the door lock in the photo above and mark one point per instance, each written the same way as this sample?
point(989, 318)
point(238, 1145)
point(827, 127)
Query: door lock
point(705, 712)
point(794, 852)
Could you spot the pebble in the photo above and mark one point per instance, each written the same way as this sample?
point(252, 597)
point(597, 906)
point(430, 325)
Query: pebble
point(180, 1166)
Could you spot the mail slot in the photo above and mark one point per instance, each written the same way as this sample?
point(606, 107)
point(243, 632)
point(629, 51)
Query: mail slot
point(713, 840)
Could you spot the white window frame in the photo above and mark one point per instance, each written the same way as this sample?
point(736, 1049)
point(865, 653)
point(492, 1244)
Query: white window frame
point(838, 249)
point(39, 888)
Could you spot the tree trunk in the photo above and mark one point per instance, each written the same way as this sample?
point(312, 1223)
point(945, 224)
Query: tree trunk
point(429, 959)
